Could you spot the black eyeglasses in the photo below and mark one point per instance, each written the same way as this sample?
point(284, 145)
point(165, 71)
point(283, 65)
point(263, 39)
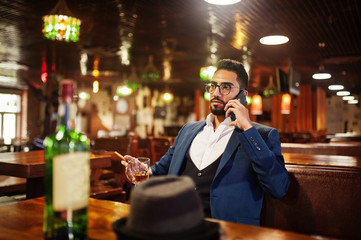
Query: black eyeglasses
point(225, 88)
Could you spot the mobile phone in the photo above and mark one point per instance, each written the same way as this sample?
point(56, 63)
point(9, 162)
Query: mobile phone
point(242, 97)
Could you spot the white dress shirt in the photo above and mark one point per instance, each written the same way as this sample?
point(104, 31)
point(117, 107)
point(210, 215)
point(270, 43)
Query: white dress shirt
point(208, 145)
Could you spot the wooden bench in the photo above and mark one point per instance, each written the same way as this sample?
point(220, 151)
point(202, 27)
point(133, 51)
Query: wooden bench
point(12, 185)
point(321, 200)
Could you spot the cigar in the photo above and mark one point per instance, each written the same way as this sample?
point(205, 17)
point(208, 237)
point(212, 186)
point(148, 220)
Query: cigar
point(120, 156)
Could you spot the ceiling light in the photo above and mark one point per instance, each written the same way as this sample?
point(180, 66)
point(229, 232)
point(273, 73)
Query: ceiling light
point(347, 98)
point(222, 2)
point(352, 101)
point(343, 93)
point(274, 40)
point(335, 86)
point(321, 74)
point(275, 37)
point(60, 24)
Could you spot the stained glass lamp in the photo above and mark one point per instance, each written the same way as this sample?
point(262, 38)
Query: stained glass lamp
point(60, 24)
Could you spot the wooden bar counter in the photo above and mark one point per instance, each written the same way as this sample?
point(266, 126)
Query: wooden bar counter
point(332, 161)
point(24, 220)
point(31, 165)
point(346, 149)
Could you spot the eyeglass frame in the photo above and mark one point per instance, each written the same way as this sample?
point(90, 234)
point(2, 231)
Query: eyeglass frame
point(208, 85)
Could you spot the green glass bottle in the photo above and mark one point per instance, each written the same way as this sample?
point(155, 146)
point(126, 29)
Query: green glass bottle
point(67, 169)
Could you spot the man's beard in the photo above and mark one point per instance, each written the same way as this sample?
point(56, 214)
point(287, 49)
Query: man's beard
point(217, 111)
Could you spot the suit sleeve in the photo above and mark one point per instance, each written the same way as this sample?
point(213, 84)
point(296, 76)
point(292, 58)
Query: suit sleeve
point(267, 160)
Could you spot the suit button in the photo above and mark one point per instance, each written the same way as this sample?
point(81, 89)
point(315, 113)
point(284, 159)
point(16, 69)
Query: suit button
point(199, 174)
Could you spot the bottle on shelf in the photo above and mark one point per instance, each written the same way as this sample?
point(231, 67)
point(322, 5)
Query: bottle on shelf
point(67, 169)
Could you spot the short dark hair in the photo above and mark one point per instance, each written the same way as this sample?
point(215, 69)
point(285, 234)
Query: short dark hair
point(236, 67)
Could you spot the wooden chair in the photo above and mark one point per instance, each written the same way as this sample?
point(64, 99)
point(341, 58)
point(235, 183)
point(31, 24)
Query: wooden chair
point(123, 145)
point(112, 187)
point(110, 183)
point(159, 146)
point(114, 176)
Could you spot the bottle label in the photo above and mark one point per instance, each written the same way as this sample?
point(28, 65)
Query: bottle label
point(71, 181)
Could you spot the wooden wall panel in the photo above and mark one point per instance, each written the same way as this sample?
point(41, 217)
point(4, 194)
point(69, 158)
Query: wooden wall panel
point(321, 109)
point(304, 109)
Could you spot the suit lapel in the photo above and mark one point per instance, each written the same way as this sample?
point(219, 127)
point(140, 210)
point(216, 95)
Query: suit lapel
point(232, 145)
point(183, 147)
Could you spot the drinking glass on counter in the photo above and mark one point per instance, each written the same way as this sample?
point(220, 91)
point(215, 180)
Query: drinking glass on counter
point(140, 169)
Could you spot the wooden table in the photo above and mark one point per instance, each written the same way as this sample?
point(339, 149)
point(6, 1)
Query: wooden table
point(31, 165)
point(24, 220)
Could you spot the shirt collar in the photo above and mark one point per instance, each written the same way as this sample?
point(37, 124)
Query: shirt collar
point(210, 121)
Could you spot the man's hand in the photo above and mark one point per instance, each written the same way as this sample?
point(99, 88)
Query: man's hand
point(128, 160)
point(241, 114)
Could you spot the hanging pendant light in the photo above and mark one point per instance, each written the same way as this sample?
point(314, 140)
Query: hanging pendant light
point(256, 106)
point(286, 104)
point(133, 80)
point(150, 73)
point(271, 89)
point(275, 37)
point(60, 24)
point(207, 73)
point(321, 74)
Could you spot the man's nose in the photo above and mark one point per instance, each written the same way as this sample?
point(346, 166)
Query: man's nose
point(217, 91)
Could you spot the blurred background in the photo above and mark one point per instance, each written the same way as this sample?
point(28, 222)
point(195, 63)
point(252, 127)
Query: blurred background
point(140, 65)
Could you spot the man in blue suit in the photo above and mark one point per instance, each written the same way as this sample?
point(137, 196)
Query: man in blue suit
point(233, 161)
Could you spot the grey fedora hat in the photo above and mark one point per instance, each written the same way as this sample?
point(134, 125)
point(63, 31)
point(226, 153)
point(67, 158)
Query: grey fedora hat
point(166, 207)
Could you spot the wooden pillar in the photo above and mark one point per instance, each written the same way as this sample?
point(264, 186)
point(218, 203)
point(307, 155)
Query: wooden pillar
point(320, 109)
point(304, 109)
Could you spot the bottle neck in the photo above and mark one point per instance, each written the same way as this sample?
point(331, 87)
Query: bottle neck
point(66, 115)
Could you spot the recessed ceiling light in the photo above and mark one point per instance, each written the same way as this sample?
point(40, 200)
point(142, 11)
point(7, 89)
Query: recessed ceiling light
point(335, 87)
point(353, 101)
point(343, 93)
point(347, 98)
point(222, 2)
point(321, 74)
point(274, 40)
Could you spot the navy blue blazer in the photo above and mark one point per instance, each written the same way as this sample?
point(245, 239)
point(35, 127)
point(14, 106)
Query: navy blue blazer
point(251, 164)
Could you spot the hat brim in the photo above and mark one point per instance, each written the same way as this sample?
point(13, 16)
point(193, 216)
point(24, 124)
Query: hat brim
point(208, 231)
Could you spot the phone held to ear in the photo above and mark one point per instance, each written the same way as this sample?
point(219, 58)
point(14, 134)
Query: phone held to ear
point(242, 97)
